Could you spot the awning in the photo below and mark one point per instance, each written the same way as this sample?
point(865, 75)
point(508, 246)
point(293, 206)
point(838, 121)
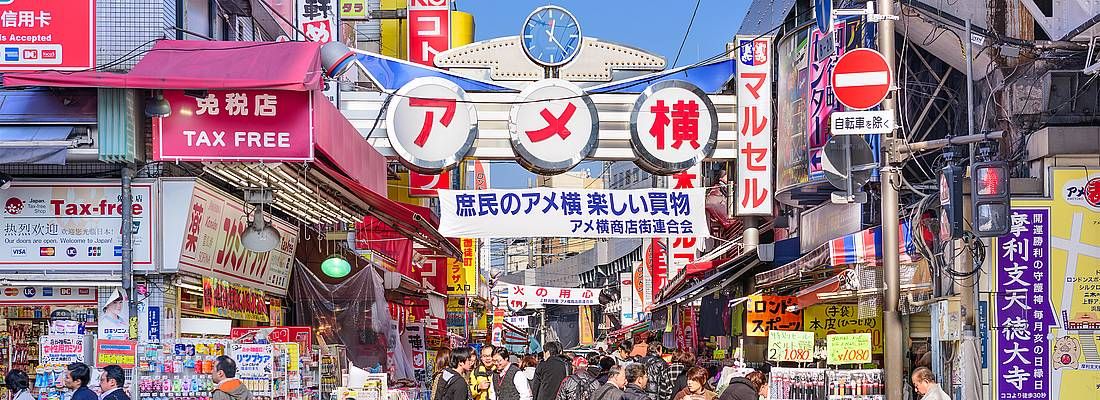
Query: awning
point(197, 64)
point(338, 141)
point(728, 272)
point(29, 144)
point(621, 334)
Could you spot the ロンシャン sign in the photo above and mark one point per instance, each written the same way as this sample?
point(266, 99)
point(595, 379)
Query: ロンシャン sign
point(792, 346)
point(553, 126)
point(236, 125)
point(431, 124)
point(861, 79)
point(429, 30)
point(848, 348)
point(40, 35)
point(673, 126)
point(755, 121)
point(862, 122)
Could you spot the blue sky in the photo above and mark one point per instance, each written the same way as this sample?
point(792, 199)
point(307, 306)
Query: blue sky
point(656, 26)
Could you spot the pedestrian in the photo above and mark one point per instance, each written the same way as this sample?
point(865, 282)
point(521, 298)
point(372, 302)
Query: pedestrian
point(613, 388)
point(581, 384)
point(925, 383)
point(696, 388)
point(111, 383)
point(744, 388)
point(19, 384)
point(481, 378)
point(606, 362)
point(454, 385)
point(682, 361)
point(76, 379)
point(509, 382)
point(528, 364)
point(660, 384)
point(636, 381)
point(551, 372)
point(622, 353)
point(227, 386)
point(442, 362)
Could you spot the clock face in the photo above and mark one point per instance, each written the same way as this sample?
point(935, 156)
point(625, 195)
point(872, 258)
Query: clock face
point(551, 36)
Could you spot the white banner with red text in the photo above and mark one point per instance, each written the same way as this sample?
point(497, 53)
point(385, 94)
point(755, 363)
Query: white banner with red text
point(532, 295)
point(560, 212)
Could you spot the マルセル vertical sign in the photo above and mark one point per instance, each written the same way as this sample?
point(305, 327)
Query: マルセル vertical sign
point(429, 30)
point(755, 180)
point(47, 35)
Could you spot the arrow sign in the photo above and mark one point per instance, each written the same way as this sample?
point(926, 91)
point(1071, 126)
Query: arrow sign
point(861, 79)
point(823, 10)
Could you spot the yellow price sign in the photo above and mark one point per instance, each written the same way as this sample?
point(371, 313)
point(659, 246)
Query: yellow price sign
point(790, 346)
point(851, 348)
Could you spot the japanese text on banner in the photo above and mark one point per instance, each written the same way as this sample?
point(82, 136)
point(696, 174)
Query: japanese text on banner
point(554, 295)
point(1023, 312)
point(766, 313)
point(754, 120)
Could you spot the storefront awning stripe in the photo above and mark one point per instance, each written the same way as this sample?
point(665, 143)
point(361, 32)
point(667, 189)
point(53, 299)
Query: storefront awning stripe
point(29, 144)
point(733, 267)
point(199, 64)
point(337, 139)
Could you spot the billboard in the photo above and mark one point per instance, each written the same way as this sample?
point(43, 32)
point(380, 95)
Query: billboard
point(47, 35)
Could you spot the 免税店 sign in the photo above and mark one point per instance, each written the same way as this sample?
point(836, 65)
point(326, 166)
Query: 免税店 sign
point(47, 35)
point(235, 125)
point(755, 122)
point(228, 300)
point(556, 212)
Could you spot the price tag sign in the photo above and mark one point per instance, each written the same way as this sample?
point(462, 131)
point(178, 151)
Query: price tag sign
point(852, 348)
point(115, 352)
point(793, 346)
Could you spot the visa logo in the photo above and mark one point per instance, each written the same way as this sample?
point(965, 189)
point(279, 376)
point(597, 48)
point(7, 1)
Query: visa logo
point(19, 252)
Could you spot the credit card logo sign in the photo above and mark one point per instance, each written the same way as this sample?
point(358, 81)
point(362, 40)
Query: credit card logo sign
point(46, 251)
point(11, 54)
point(19, 252)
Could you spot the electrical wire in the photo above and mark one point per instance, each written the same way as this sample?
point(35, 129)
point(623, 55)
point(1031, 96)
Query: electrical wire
point(686, 33)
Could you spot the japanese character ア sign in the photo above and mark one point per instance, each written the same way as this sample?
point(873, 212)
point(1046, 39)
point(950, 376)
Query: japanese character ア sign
point(553, 126)
point(673, 126)
point(755, 178)
point(553, 212)
point(431, 124)
point(235, 125)
point(534, 295)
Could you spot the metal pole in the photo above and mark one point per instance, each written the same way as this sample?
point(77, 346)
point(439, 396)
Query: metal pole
point(969, 295)
point(127, 229)
point(894, 332)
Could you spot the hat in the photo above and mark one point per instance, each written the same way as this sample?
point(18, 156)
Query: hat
point(580, 362)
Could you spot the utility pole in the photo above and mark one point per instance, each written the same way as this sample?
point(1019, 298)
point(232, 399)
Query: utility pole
point(893, 332)
point(127, 231)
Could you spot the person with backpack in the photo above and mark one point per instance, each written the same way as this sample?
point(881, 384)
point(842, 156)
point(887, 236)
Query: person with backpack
point(453, 380)
point(509, 382)
point(613, 388)
point(551, 372)
point(581, 385)
point(659, 385)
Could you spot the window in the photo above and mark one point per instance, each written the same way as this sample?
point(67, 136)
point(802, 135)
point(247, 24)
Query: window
point(197, 18)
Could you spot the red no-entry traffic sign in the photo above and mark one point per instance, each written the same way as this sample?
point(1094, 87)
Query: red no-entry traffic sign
point(861, 79)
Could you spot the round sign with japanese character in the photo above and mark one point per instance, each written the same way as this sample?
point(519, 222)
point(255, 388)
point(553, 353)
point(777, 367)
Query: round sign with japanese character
point(553, 126)
point(431, 124)
point(673, 126)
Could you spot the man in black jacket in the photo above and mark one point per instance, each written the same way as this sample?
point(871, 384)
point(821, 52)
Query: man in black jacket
point(551, 372)
point(613, 388)
point(454, 385)
point(636, 380)
point(660, 382)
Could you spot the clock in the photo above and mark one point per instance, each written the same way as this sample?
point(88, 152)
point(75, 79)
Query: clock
point(551, 36)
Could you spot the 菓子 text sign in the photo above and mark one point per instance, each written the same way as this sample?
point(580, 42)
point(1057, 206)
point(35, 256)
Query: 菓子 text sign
point(554, 212)
point(235, 125)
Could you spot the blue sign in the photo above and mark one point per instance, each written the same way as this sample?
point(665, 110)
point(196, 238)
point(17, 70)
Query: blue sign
point(154, 324)
point(11, 54)
point(823, 10)
point(983, 331)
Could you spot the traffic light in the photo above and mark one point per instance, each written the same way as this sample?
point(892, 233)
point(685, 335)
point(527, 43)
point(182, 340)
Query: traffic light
point(951, 202)
point(990, 191)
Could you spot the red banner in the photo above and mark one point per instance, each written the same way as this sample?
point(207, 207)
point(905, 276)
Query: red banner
point(47, 35)
point(233, 301)
point(240, 125)
point(421, 185)
point(429, 29)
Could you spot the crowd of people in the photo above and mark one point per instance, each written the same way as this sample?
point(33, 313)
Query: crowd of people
point(631, 372)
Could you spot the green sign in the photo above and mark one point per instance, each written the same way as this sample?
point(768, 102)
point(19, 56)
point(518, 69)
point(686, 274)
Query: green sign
point(792, 346)
point(852, 348)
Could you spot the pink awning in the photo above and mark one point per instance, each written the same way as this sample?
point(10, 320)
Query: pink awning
point(338, 141)
point(197, 64)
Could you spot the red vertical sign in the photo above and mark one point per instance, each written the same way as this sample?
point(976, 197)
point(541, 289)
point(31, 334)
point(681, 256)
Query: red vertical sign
point(429, 30)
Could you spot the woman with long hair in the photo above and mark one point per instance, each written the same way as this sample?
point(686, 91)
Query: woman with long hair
point(696, 388)
point(442, 361)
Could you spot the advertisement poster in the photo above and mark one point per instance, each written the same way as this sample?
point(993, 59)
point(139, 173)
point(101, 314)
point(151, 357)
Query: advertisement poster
point(73, 226)
point(1047, 277)
point(765, 313)
point(462, 274)
point(115, 352)
point(114, 317)
point(254, 363)
point(61, 349)
point(828, 319)
point(41, 35)
point(212, 244)
point(229, 300)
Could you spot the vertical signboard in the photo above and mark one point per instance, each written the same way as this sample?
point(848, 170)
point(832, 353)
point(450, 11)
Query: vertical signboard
point(655, 262)
point(429, 30)
point(1023, 311)
point(682, 251)
point(319, 21)
point(47, 35)
point(627, 298)
point(755, 125)
point(462, 274)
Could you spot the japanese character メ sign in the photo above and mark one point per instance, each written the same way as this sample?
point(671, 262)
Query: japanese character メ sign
point(554, 135)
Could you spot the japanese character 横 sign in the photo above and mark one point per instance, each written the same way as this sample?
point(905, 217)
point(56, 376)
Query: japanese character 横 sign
point(535, 295)
point(47, 35)
point(235, 125)
point(431, 124)
point(1022, 308)
point(755, 122)
point(673, 126)
point(553, 126)
point(561, 212)
point(765, 313)
point(429, 30)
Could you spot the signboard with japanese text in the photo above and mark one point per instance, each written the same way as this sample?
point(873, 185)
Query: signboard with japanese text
point(643, 288)
point(72, 226)
point(553, 295)
point(827, 319)
point(415, 342)
point(122, 353)
point(655, 262)
point(233, 301)
point(848, 348)
point(317, 19)
point(462, 274)
point(755, 182)
point(1023, 306)
point(683, 250)
point(431, 124)
point(790, 346)
point(560, 212)
point(353, 10)
point(553, 136)
point(862, 122)
point(236, 125)
point(429, 30)
point(212, 244)
point(673, 126)
point(60, 349)
point(255, 363)
point(686, 333)
point(629, 297)
point(41, 35)
point(766, 313)
point(424, 185)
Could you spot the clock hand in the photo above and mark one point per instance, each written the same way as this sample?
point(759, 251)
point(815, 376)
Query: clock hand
point(555, 41)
